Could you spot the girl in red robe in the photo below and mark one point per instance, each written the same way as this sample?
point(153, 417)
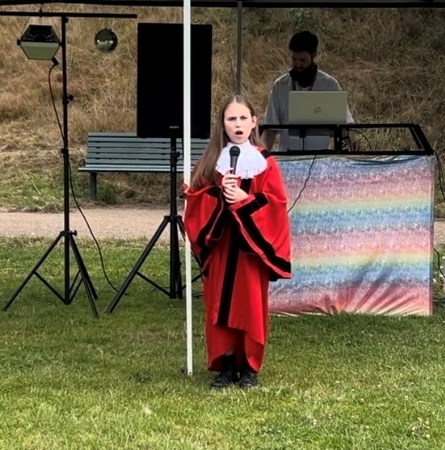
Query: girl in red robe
point(239, 231)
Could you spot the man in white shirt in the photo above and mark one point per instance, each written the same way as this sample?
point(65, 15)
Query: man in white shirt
point(304, 76)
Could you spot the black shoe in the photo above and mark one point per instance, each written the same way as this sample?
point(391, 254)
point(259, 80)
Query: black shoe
point(248, 379)
point(224, 379)
point(228, 375)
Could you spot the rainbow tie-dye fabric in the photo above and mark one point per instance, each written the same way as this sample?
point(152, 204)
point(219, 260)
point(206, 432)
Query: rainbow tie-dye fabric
point(362, 235)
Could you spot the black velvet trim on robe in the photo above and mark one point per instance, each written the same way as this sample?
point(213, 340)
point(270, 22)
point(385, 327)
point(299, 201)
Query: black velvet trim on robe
point(236, 243)
point(244, 214)
point(216, 221)
point(229, 277)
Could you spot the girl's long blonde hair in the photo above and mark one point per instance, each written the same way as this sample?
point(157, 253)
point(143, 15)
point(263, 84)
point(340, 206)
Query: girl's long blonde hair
point(205, 172)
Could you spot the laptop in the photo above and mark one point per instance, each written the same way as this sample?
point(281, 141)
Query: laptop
point(317, 107)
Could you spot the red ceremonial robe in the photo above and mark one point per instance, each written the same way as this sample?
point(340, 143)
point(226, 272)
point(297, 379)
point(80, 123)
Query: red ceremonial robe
point(240, 247)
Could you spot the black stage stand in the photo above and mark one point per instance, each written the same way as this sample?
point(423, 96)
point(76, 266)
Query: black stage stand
point(66, 234)
point(175, 222)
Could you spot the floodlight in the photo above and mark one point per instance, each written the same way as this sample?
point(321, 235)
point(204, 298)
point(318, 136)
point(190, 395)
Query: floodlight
point(105, 40)
point(39, 42)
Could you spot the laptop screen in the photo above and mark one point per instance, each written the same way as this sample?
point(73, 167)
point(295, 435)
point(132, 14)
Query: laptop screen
point(317, 107)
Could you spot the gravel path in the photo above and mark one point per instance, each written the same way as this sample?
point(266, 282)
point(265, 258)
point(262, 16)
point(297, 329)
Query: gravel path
point(108, 222)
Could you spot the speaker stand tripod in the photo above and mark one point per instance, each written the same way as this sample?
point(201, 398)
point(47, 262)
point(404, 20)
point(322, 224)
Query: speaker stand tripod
point(175, 222)
point(70, 288)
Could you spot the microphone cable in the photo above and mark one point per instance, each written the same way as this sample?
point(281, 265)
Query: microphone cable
point(304, 184)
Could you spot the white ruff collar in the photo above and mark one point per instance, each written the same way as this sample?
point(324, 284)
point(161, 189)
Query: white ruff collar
point(250, 161)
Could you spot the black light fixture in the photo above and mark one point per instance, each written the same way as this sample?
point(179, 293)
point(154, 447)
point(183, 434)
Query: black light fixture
point(105, 40)
point(39, 42)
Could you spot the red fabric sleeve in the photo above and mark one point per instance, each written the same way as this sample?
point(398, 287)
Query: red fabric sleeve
point(204, 220)
point(264, 222)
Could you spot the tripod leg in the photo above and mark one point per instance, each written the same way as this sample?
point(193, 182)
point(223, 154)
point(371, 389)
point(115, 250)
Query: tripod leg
point(33, 272)
point(82, 268)
point(137, 266)
point(85, 278)
point(181, 226)
point(175, 261)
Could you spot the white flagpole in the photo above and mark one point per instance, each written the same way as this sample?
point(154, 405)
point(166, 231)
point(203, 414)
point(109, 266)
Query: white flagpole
point(186, 150)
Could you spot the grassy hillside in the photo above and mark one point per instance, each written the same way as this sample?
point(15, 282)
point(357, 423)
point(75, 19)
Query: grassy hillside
point(392, 62)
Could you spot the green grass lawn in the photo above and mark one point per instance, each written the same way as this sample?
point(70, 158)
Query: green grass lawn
point(69, 381)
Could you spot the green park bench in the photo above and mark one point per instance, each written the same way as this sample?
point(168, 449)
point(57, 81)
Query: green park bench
point(126, 152)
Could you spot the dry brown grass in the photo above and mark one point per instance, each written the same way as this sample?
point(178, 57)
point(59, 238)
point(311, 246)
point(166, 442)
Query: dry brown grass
point(392, 63)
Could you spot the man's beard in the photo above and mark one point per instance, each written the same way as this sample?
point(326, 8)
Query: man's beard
point(305, 77)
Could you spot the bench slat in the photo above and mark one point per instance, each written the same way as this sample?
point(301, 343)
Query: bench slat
point(129, 136)
point(151, 153)
point(126, 168)
point(117, 162)
point(136, 156)
point(138, 149)
point(135, 145)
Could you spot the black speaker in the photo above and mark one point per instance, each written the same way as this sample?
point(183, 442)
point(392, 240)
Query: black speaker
point(160, 91)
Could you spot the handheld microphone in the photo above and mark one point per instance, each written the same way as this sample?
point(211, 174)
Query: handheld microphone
point(234, 153)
